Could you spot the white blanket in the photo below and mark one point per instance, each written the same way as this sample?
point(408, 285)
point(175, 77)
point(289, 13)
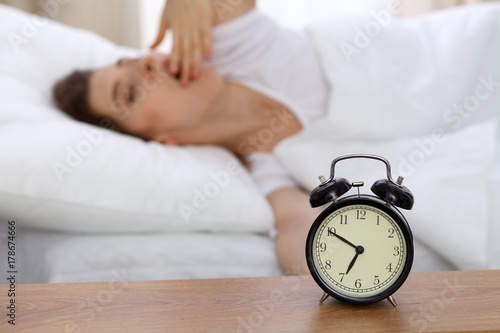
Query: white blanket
point(418, 92)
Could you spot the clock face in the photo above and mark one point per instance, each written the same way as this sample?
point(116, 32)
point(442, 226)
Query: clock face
point(360, 250)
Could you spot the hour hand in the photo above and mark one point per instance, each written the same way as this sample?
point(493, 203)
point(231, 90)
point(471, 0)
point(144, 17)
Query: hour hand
point(359, 250)
point(352, 263)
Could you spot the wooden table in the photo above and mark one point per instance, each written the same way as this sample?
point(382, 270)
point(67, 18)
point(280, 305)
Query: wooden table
point(434, 301)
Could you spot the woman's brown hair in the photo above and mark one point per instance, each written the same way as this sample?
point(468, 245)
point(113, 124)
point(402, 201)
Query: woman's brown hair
point(71, 95)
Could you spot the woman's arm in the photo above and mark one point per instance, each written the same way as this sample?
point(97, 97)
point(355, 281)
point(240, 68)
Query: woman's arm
point(294, 217)
point(191, 22)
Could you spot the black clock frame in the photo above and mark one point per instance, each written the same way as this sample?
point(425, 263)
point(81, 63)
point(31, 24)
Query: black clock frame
point(368, 200)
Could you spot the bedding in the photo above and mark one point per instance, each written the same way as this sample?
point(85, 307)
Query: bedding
point(80, 221)
point(46, 256)
point(62, 257)
point(70, 176)
point(68, 184)
point(412, 76)
point(419, 92)
point(451, 211)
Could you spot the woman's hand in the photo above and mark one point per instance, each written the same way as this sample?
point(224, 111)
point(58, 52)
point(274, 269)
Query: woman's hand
point(191, 22)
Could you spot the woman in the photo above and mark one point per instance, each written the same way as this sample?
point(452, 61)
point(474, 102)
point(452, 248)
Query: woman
point(262, 84)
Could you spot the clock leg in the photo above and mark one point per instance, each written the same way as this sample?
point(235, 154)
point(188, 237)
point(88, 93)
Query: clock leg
point(325, 296)
point(392, 300)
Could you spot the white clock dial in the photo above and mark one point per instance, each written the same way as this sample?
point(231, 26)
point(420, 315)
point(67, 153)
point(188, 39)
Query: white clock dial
point(359, 251)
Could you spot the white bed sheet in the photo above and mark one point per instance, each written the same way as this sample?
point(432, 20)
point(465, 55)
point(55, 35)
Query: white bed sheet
point(493, 181)
point(53, 257)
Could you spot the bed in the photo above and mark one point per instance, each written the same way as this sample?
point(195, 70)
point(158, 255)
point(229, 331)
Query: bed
point(94, 205)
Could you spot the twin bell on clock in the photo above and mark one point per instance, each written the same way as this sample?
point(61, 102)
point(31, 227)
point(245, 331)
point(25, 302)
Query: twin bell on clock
point(360, 248)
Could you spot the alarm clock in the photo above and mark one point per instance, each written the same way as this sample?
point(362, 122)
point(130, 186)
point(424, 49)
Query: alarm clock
point(360, 248)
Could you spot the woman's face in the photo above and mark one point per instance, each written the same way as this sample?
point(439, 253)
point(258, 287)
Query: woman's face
point(143, 98)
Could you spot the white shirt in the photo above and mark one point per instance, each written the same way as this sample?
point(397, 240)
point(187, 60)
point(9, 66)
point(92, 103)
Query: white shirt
point(279, 63)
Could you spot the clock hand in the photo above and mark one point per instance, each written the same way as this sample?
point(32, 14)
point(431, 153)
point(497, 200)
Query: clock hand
point(344, 240)
point(359, 250)
point(352, 263)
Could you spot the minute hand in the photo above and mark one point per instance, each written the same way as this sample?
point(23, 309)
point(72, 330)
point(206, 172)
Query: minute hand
point(345, 240)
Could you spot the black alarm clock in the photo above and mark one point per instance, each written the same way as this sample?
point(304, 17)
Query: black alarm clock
point(360, 248)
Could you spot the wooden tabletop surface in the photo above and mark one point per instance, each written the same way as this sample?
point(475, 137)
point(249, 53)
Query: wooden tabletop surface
point(456, 301)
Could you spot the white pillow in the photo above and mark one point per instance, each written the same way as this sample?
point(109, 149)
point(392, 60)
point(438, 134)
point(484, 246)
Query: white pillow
point(445, 171)
point(439, 70)
point(64, 175)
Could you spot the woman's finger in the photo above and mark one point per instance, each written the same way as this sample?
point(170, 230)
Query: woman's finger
point(195, 51)
point(186, 61)
point(176, 50)
point(161, 34)
point(196, 56)
point(206, 38)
